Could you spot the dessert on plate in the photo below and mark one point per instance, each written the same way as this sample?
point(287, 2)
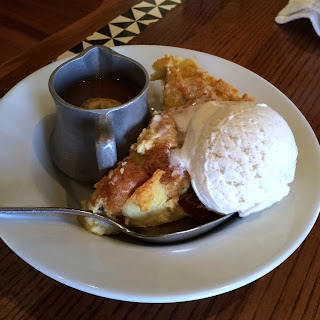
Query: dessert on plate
point(208, 144)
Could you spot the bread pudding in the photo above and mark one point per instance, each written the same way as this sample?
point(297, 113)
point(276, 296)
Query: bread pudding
point(185, 83)
point(147, 187)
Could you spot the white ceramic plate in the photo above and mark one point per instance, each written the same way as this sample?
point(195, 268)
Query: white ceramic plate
point(224, 260)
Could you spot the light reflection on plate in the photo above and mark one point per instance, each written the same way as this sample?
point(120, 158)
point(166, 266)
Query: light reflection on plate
point(114, 268)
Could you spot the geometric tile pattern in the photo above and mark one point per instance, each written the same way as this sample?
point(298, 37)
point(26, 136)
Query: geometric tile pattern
point(125, 27)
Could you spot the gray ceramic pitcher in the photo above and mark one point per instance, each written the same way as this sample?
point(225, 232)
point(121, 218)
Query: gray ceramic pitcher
point(85, 144)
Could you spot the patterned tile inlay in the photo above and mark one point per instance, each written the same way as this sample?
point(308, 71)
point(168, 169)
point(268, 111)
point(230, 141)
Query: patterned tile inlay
point(125, 27)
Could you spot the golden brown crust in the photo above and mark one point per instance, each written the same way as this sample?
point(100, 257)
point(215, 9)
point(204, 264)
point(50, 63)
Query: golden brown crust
point(151, 204)
point(158, 158)
point(113, 190)
point(144, 181)
point(143, 196)
point(161, 130)
point(186, 83)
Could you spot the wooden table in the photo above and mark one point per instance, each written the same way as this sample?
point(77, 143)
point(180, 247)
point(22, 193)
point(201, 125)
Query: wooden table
point(243, 31)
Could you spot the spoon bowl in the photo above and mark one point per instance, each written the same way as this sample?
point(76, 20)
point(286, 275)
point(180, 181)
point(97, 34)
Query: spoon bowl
point(161, 239)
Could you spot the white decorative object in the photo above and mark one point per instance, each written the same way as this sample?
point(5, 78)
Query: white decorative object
point(297, 9)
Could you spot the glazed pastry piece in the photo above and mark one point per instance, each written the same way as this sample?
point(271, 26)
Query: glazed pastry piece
point(144, 189)
point(185, 83)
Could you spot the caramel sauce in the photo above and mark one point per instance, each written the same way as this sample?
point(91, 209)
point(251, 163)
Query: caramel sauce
point(192, 205)
point(111, 87)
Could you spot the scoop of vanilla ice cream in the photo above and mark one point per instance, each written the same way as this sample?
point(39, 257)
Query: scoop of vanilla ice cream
point(241, 156)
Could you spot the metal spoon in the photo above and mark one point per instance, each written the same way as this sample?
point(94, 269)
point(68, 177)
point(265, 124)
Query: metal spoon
point(163, 238)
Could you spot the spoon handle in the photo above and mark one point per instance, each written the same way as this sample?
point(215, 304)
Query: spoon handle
point(55, 210)
point(160, 239)
point(44, 211)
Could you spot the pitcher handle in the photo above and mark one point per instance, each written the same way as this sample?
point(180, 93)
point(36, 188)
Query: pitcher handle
point(106, 149)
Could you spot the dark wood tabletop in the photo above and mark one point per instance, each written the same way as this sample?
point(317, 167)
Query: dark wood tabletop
point(33, 33)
